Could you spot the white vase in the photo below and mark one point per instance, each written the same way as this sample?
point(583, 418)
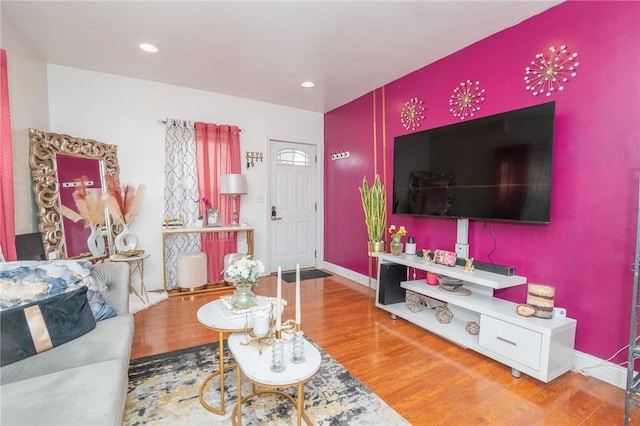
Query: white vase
point(126, 240)
point(95, 242)
point(199, 223)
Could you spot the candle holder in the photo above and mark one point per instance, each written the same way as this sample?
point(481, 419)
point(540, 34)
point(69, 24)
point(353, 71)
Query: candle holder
point(298, 346)
point(277, 359)
point(262, 340)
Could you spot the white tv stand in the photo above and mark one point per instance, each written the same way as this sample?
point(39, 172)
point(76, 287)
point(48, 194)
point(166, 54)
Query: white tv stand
point(540, 348)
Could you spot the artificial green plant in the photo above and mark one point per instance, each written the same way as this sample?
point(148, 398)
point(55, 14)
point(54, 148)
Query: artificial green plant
point(375, 208)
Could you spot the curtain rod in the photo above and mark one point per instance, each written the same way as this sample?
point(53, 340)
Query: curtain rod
point(165, 122)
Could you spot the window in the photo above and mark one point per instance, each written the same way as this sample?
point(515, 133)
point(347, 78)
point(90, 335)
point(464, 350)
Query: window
point(292, 157)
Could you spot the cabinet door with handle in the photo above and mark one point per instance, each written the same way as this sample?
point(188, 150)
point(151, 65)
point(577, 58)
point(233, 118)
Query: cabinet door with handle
point(511, 341)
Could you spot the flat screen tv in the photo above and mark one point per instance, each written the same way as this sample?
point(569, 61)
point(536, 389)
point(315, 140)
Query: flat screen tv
point(491, 168)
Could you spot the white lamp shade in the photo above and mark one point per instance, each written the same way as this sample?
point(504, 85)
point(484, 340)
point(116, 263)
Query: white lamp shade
point(233, 184)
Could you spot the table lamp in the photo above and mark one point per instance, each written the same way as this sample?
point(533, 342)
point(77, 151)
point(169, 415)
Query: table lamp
point(234, 185)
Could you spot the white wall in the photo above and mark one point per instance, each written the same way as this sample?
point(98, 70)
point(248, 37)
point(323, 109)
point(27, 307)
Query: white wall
point(27, 76)
point(125, 112)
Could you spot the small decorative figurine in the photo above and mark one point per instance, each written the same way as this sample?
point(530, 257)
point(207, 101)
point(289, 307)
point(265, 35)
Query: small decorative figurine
point(425, 255)
point(472, 328)
point(444, 314)
point(468, 265)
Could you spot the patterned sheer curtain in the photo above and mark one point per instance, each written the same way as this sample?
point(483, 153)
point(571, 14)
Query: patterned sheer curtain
point(7, 213)
point(180, 191)
point(217, 153)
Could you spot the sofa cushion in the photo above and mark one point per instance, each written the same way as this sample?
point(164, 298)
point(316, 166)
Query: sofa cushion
point(29, 329)
point(28, 281)
point(93, 394)
point(111, 339)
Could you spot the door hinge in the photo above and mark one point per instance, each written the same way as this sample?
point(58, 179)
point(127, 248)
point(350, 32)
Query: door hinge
point(315, 254)
point(316, 158)
point(315, 206)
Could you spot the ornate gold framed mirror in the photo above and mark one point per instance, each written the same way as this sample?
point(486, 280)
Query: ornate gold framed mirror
point(59, 165)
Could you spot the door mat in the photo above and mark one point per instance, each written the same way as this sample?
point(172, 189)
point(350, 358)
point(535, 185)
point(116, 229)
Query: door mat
point(308, 274)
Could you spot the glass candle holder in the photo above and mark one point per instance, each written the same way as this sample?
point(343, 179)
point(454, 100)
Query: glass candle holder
point(298, 347)
point(277, 360)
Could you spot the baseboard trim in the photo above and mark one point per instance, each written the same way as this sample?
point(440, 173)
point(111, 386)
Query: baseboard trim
point(600, 369)
point(351, 275)
point(582, 363)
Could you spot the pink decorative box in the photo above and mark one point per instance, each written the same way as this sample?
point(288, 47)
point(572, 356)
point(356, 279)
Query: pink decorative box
point(445, 257)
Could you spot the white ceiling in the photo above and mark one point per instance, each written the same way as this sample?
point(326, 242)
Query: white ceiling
point(263, 50)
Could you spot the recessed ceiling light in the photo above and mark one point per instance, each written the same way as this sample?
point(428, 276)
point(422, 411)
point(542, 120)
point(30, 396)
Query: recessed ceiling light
point(308, 84)
point(148, 47)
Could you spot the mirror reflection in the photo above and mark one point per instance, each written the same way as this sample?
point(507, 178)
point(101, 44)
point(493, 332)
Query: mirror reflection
point(68, 183)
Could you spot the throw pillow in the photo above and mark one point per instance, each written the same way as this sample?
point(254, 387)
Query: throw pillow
point(28, 281)
point(35, 327)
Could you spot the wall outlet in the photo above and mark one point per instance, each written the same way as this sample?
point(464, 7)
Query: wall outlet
point(560, 312)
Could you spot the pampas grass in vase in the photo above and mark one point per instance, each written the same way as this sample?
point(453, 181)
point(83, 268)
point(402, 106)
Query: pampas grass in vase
point(123, 205)
point(91, 209)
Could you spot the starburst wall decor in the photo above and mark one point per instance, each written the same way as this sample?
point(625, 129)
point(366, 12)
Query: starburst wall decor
point(466, 99)
point(412, 113)
point(548, 74)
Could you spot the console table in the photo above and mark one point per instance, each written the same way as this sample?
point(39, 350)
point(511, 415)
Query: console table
point(205, 230)
point(540, 348)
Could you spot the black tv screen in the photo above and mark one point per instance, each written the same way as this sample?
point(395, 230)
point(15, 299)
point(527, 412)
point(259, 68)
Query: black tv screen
point(492, 168)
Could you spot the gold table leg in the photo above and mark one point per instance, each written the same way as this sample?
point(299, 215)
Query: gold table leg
point(137, 266)
point(220, 372)
point(236, 415)
point(300, 404)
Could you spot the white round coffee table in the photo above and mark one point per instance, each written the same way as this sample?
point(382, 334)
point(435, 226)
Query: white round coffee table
point(256, 366)
point(216, 316)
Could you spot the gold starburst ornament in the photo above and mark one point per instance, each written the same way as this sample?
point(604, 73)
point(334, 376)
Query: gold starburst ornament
point(466, 99)
point(548, 74)
point(412, 113)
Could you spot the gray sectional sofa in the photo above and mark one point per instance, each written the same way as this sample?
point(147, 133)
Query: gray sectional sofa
point(81, 382)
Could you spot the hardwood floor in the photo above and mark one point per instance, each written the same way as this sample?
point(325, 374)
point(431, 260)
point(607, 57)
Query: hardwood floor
point(428, 380)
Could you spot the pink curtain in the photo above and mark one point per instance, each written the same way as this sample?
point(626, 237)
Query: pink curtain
point(7, 214)
point(217, 153)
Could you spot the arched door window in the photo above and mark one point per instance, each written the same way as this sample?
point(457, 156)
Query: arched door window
point(292, 157)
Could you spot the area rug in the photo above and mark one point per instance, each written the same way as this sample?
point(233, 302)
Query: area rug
point(163, 390)
point(308, 274)
point(137, 305)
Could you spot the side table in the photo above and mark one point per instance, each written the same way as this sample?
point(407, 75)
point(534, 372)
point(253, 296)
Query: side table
point(217, 317)
point(136, 266)
point(256, 366)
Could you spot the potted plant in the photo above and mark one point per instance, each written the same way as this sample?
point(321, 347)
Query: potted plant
point(375, 212)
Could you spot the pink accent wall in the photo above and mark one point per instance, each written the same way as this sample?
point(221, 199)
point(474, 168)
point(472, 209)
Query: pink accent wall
point(587, 250)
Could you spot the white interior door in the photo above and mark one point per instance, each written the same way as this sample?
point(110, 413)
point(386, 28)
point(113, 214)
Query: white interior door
point(293, 205)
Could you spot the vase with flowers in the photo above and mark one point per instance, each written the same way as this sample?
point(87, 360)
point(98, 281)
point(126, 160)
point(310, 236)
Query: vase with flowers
point(396, 239)
point(202, 216)
point(244, 274)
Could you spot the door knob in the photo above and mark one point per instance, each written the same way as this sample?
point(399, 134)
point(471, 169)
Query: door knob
point(274, 214)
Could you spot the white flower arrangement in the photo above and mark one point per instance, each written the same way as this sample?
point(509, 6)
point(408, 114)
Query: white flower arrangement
point(245, 270)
